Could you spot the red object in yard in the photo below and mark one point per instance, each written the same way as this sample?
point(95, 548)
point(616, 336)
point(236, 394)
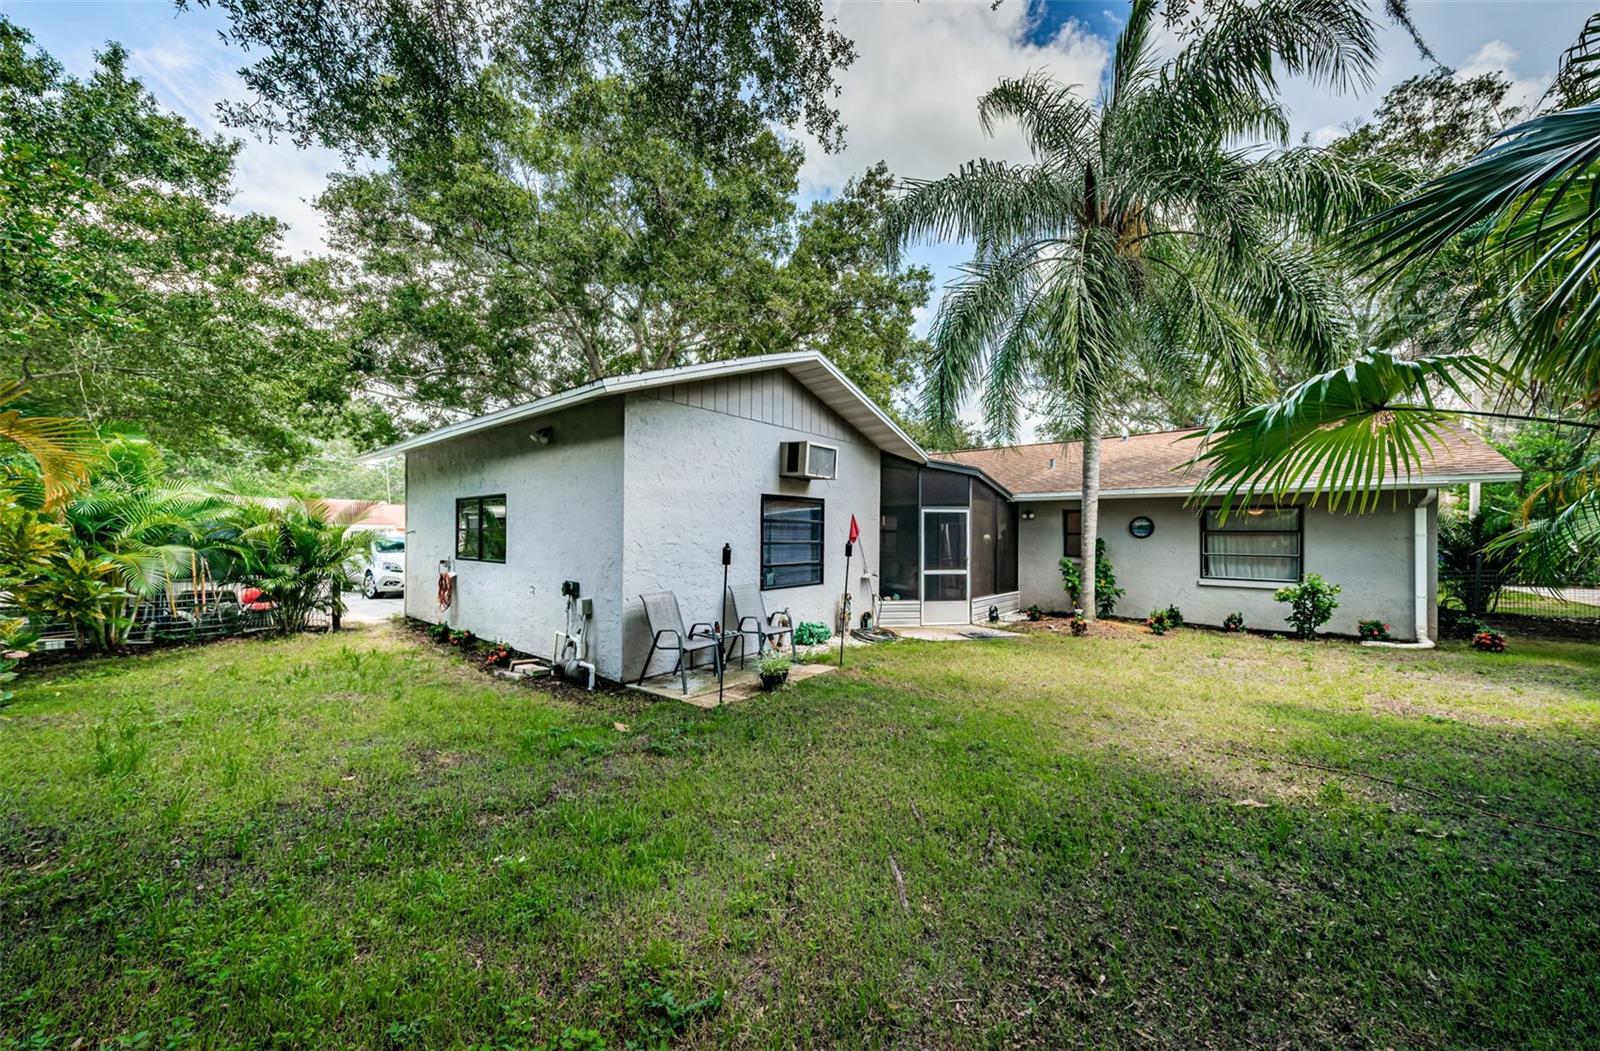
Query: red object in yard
point(250, 598)
point(855, 530)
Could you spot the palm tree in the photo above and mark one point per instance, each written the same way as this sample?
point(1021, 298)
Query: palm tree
point(300, 554)
point(1150, 228)
point(1526, 212)
point(61, 446)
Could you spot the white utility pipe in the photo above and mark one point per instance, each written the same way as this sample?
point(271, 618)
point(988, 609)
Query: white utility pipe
point(1419, 562)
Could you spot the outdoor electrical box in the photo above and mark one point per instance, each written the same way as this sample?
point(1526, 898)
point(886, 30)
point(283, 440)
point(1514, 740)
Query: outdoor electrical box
point(569, 589)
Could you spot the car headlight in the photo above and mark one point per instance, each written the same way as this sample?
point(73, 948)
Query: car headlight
point(393, 567)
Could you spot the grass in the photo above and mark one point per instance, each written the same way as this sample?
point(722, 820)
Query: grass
point(360, 841)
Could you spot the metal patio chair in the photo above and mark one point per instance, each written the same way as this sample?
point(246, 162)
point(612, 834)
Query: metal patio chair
point(750, 617)
point(666, 619)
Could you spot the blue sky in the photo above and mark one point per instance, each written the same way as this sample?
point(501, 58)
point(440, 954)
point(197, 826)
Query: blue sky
point(909, 99)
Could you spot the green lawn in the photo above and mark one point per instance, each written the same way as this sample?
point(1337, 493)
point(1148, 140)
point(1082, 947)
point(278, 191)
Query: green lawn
point(361, 841)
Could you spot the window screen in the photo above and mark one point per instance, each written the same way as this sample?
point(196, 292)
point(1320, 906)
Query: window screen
point(944, 488)
point(900, 511)
point(1258, 544)
point(791, 542)
point(481, 528)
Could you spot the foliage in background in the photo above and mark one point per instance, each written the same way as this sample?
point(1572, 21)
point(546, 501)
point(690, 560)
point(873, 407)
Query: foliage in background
point(127, 295)
point(1523, 216)
point(544, 250)
point(1311, 604)
point(384, 76)
point(1145, 230)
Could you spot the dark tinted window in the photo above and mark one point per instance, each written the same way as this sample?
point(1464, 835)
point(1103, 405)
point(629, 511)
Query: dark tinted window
point(791, 542)
point(1072, 534)
point(481, 528)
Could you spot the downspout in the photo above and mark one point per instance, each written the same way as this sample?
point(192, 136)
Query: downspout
point(1419, 563)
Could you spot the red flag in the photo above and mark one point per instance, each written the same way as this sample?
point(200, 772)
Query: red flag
point(855, 530)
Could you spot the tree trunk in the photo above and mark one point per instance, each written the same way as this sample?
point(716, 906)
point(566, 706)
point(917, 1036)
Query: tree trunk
point(1091, 511)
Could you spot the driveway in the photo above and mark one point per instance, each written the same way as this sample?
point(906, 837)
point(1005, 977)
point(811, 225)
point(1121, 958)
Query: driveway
point(361, 610)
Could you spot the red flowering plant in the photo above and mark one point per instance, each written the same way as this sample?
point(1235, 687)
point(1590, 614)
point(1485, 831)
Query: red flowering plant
point(1373, 630)
point(1489, 641)
point(497, 656)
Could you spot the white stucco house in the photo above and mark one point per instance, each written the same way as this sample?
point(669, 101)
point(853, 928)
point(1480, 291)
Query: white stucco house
point(633, 484)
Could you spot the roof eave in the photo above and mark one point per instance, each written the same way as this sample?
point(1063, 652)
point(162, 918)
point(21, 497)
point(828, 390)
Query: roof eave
point(1420, 482)
point(809, 367)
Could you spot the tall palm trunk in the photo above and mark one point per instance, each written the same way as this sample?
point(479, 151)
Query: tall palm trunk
point(1091, 511)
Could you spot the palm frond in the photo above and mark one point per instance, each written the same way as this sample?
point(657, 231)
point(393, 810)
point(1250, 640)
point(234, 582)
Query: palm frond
point(1346, 434)
point(62, 447)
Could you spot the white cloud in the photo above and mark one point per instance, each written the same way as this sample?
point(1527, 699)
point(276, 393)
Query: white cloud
point(273, 178)
point(911, 96)
point(1497, 56)
point(1327, 135)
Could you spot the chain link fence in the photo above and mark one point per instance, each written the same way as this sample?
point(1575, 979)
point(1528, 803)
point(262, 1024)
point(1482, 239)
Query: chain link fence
point(1483, 593)
point(216, 611)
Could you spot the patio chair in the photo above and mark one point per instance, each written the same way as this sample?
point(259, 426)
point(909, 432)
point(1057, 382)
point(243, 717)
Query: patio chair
point(667, 635)
point(749, 614)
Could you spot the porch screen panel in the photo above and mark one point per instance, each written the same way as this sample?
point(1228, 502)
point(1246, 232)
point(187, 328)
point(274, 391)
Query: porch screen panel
point(944, 488)
point(985, 508)
point(899, 510)
point(1005, 548)
point(1257, 545)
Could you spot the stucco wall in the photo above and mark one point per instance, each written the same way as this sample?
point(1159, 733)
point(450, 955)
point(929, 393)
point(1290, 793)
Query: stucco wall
point(697, 463)
point(563, 522)
point(1370, 556)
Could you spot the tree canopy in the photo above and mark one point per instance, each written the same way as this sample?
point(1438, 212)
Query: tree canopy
point(128, 295)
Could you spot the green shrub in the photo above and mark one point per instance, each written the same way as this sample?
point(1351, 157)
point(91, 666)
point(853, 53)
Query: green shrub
point(1373, 630)
point(1160, 620)
point(811, 633)
point(1233, 621)
point(1311, 604)
point(1106, 591)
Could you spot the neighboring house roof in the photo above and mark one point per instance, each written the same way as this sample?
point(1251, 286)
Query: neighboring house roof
point(378, 514)
point(1152, 465)
point(815, 372)
point(366, 514)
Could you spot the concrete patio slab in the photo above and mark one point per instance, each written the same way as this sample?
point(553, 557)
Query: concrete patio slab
point(740, 684)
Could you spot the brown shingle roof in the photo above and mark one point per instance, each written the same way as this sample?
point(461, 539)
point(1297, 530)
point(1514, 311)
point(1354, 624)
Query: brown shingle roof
point(1154, 461)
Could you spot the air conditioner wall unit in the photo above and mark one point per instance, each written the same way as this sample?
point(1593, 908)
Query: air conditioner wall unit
point(808, 460)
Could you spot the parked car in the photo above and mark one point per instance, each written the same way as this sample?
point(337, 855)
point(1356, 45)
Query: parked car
point(383, 571)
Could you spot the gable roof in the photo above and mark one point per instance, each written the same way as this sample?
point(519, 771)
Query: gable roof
point(1152, 465)
point(815, 372)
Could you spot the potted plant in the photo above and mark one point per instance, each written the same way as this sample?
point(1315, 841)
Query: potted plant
point(773, 667)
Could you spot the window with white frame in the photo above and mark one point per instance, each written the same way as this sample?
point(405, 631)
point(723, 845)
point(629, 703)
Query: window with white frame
point(1255, 544)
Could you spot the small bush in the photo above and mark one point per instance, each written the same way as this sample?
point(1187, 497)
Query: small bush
point(1311, 604)
point(1489, 641)
point(439, 632)
point(1233, 621)
point(811, 633)
point(1161, 621)
point(1034, 612)
point(464, 639)
point(1079, 625)
point(498, 655)
point(1373, 630)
